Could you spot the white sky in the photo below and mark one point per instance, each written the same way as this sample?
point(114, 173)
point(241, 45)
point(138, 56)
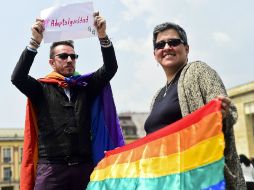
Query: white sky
point(219, 33)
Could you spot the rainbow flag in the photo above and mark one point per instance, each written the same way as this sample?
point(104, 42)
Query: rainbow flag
point(105, 130)
point(187, 154)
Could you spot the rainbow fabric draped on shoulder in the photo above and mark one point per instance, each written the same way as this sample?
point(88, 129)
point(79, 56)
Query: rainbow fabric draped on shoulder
point(187, 154)
point(106, 133)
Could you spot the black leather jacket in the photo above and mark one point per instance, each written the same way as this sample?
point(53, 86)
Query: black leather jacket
point(63, 124)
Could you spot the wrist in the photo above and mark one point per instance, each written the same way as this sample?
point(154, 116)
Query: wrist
point(31, 49)
point(102, 35)
point(105, 42)
point(34, 44)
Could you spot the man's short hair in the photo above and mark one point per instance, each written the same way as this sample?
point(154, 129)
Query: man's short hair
point(169, 25)
point(54, 44)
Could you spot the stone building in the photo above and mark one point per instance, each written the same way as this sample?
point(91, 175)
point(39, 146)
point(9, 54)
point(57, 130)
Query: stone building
point(11, 141)
point(243, 97)
point(132, 124)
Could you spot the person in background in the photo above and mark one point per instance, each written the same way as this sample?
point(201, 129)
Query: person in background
point(63, 111)
point(248, 171)
point(252, 161)
point(188, 87)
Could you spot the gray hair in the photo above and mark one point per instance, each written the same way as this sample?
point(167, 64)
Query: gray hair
point(169, 25)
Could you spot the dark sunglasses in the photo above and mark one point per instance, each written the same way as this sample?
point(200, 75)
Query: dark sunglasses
point(171, 43)
point(64, 56)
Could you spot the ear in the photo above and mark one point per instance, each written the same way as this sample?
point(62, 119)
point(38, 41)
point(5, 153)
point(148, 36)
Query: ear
point(52, 63)
point(187, 48)
point(155, 56)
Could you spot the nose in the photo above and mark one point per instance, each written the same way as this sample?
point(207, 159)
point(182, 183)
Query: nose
point(69, 59)
point(167, 46)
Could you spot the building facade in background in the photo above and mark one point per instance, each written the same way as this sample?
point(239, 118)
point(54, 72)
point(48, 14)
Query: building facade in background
point(11, 141)
point(243, 97)
point(132, 124)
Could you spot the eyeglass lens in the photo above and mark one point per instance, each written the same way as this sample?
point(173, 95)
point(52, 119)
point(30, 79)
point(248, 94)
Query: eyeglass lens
point(66, 55)
point(171, 43)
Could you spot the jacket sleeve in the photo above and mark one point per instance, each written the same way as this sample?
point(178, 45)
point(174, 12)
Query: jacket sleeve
point(20, 78)
point(198, 85)
point(104, 74)
point(211, 85)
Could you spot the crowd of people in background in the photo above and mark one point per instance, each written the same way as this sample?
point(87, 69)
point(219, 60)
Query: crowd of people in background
point(247, 165)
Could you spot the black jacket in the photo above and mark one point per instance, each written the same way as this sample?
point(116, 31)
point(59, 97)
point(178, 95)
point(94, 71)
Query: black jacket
point(63, 124)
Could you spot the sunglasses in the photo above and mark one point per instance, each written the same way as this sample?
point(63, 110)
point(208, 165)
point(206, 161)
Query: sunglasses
point(170, 42)
point(64, 56)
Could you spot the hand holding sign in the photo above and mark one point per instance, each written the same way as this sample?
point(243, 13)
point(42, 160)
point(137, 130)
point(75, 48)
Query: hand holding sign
point(100, 25)
point(37, 30)
point(69, 22)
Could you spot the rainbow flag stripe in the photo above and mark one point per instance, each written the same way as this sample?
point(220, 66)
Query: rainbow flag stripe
point(187, 154)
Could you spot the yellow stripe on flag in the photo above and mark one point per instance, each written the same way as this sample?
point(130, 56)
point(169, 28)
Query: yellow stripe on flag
point(191, 158)
point(207, 127)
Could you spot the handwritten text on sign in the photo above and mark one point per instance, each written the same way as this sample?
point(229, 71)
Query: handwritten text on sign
point(65, 22)
point(68, 22)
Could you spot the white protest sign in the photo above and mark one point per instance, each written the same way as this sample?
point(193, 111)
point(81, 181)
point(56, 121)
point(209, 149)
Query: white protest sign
point(68, 22)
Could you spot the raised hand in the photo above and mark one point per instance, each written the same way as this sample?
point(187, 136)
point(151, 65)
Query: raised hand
point(100, 25)
point(37, 32)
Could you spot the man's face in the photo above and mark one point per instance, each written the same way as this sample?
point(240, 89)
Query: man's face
point(171, 57)
point(61, 62)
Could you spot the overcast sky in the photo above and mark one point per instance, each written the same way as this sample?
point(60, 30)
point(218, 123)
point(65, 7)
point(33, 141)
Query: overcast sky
point(220, 33)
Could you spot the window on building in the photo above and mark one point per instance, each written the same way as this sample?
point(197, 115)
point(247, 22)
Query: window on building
point(249, 111)
point(20, 153)
point(7, 188)
point(6, 155)
point(7, 174)
point(249, 108)
point(249, 118)
point(252, 122)
point(129, 131)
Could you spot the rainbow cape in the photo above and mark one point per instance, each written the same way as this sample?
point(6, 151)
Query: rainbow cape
point(105, 128)
point(187, 154)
